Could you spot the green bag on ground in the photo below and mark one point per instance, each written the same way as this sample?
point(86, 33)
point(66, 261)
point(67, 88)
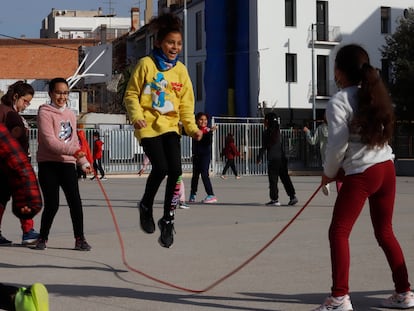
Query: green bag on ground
point(35, 298)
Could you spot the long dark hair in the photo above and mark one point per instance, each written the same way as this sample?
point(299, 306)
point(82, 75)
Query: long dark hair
point(19, 88)
point(374, 118)
point(273, 129)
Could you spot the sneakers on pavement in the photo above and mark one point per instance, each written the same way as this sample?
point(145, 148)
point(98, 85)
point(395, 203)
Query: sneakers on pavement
point(103, 178)
point(332, 303)
point(293, 201)
point(167, 232)
point(183, 205)
point(273, 203)
point(399, 301)
point(325, 189)
point(210, 199)
point(4, 241)
point(238, 177)
point(223, 177)
point(41, 244)
point(34, 298)
point(192, 198)
point(82, 245)
point(30, 237)
point(146, 219)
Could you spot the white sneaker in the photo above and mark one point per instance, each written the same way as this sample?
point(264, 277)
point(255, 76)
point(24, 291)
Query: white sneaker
point(332, 303)
point(399, 301)
point(325, 189)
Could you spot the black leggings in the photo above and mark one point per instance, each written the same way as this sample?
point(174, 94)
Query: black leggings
point(53, 175)
point(164, 152)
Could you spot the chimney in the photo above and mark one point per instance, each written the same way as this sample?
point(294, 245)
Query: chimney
point(134, 19)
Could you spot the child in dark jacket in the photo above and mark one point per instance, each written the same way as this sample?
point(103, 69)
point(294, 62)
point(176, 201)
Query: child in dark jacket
point(230, 152)
point(201, 160)
point(277, 161)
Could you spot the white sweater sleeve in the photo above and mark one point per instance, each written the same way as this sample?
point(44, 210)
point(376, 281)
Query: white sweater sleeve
point(338, 114)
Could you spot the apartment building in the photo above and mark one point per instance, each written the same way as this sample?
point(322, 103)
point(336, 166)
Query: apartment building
point(77, 24)
point(249, 56)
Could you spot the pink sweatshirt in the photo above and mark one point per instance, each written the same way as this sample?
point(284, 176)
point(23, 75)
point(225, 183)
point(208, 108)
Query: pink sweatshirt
point(57, 136)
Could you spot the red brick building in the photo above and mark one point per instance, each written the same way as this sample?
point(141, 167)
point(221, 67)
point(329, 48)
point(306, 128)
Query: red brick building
point(40, 58)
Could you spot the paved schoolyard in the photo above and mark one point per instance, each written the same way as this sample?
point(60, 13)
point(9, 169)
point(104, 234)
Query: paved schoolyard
point(292, 274)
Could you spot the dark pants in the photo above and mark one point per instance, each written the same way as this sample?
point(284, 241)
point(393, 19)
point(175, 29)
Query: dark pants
point(229, 163)
point(201, 165)
point(53, 175)
point(285, 178)
point(164, 152)
point(273, 169)
point(97, 166)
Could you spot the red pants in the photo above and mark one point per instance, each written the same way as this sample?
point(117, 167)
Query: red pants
point(377, 184)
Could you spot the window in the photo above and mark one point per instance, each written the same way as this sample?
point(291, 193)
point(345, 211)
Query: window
point(322, 83)
point(199, 81)
point(290, 13)
point(199, 38)
point(322, 23)
point(385, 19)
point(291, 68)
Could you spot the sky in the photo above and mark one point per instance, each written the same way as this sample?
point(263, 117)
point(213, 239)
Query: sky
point(24, 17)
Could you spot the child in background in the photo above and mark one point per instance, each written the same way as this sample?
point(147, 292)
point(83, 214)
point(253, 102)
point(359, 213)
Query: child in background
point(276, 161)
point(97, 156)
point(201, 160)
point(158, 96)
point(230, 152)
point(84, 145)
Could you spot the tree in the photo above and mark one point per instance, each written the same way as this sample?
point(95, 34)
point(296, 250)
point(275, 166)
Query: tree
point(399, 51)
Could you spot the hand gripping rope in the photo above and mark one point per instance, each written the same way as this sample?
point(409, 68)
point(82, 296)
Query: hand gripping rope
point(220, 280)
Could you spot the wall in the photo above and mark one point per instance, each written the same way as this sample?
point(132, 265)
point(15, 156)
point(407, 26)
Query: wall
point(39, 58)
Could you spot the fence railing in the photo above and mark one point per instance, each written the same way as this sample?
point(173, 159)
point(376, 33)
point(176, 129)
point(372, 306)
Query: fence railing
point(123, 154)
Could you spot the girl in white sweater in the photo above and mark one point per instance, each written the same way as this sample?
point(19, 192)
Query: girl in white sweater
point(360, 124)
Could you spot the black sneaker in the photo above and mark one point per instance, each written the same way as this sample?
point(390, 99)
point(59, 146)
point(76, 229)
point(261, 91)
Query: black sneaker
point(82, 245)
point(167, 228)
point(4, 241)
point(146, 220)
point(293, 201)
point(41, 244)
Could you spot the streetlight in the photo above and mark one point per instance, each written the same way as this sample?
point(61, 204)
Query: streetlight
point(313, 78)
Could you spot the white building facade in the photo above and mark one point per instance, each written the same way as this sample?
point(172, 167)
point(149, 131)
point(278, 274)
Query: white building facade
point(285, 64)
point(288, 71)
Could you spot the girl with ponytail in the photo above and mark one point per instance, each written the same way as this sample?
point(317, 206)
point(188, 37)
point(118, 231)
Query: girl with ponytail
point(360, 125)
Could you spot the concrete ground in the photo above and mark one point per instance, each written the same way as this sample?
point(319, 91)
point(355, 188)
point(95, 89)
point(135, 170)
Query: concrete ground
point(292, 274)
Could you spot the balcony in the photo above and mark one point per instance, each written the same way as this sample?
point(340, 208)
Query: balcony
point(324, 35)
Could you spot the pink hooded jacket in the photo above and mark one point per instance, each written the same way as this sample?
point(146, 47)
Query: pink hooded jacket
point(58, 141)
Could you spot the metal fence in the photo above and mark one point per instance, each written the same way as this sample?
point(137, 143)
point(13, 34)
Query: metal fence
point(123, 154)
